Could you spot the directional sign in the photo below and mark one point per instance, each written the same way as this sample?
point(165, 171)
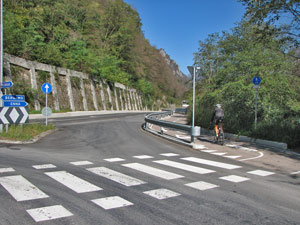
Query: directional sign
point(46, 88)
point(6, 84)
point(47, 111)
point(14, 104)
point(13, 97)
point(13, 115)
point(256, 80)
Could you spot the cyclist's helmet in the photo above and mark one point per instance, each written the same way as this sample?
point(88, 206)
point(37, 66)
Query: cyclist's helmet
point(218, 105)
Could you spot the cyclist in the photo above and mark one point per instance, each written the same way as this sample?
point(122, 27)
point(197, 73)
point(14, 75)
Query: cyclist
point(218, 117)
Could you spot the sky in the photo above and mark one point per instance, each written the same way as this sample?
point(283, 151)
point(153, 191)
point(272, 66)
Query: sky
point(178, 25)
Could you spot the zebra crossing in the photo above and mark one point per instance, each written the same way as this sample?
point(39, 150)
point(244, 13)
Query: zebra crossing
point(21, 189)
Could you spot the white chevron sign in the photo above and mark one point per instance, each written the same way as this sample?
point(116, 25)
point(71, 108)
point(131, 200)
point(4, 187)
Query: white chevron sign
point(13, 115)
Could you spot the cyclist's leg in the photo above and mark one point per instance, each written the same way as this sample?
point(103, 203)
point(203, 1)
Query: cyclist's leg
point(217, 129)
point(221, 126)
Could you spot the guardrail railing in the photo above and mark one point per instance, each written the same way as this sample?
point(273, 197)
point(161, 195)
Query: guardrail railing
point(155, 118)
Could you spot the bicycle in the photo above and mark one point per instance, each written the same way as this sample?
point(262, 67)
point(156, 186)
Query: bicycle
point(219, 138)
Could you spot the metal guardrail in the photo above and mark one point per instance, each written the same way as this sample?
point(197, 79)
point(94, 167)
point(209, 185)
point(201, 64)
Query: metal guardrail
point(154, 118)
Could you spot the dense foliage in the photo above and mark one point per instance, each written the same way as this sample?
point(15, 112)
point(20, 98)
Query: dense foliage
point(100, 37)
point(229, 61)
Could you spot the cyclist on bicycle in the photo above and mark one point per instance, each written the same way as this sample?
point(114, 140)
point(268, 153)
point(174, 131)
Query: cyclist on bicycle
point(218, 117)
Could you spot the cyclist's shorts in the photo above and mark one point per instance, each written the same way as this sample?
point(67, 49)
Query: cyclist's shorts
point(219, 120)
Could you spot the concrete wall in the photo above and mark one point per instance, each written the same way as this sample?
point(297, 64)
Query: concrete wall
point(82, 92)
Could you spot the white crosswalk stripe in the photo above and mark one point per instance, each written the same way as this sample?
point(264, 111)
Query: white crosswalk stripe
point(74, 183)
point(143, 157)
point(232, 156)
point(153, 171)
point(6, 170)
point(114, 160)
point(262, 173)
point(201, 185)
point(81, 163)
point(44, 166)
point(49, 213)
point(186, 167)
point(161, 193)
point(211, 163)
point(234, 178)
point(112, 202)
point(116, 176)
point(21, 189)
point(169, 154)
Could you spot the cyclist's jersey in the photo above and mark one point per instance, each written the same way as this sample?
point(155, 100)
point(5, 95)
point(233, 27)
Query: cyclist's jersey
point(218, 114)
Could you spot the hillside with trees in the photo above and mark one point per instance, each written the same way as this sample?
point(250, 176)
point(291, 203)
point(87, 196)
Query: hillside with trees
point(257, 46)
point(102, 38)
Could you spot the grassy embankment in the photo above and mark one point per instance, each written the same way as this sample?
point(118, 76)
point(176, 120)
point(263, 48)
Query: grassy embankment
point(25, 132)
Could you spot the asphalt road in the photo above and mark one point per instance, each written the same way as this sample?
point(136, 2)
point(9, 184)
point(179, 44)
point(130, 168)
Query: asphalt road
point(77, 176)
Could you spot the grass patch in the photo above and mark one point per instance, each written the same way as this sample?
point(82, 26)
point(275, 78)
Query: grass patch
point(25, 132)
point(53, 111)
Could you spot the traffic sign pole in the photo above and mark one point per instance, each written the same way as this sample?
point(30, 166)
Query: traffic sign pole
point(256, 81)
point(46, 88)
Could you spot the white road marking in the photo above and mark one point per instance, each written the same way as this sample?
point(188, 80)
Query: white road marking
point(232, 156)
point(112, 202)
point(153, 171)
point(44, 166)
point(201, 185)
point(143, 157)
point(209, 151)
point(74, 183)
point(21, 189)
point(49, 213)
point(114, 160)
point(183, 137)
point(186, 167)
point(260, 155)
point(211, 163)
point(81, 163)
point(234, 178)
point(219, 153)
point(242, 148)
point(6, 170)
point(161, 193)
point(116, 176)
point(262, 173)
point(294, 173)
point(195, 146)
point(169, 154)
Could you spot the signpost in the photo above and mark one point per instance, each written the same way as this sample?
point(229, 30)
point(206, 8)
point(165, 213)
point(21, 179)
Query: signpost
point(7, 84)
point(46, 88)
point(13, 98)
point(256, 81)
point(14, 104)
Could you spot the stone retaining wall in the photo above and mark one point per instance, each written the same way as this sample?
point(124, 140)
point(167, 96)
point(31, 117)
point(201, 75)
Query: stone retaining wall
point(83, 93)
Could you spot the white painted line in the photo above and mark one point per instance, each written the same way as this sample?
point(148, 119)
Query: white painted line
point(169, 154)
point(186, 167)
point(262, 173)
point(234, 178)
point(183, 137)
point(114, 160)
point(112, 202)
point(209, 151)
point(49, 213)
point(81, 163)
point(161, 193)
point(153, 171)
point(143, 157)
point(195, 146)
point(6, 170)
point(260, 155)
point(74, 183)
point(232, 156)
point(219, 153)
point(116, 176)
point(242, 148)
point(294, 173)
point(44, 166)
point(211, 163)
point(201, 185)
point(21, 189)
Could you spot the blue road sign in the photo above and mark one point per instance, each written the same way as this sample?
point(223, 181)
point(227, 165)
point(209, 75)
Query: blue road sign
point(13, 97)
point(256, 80)
point(14, 104)
point(7, 84)
point(46, 88)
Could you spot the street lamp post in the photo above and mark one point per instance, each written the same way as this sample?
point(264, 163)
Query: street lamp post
point(192, 70)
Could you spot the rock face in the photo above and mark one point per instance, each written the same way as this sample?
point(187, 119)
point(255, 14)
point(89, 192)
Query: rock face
point(174, 66)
